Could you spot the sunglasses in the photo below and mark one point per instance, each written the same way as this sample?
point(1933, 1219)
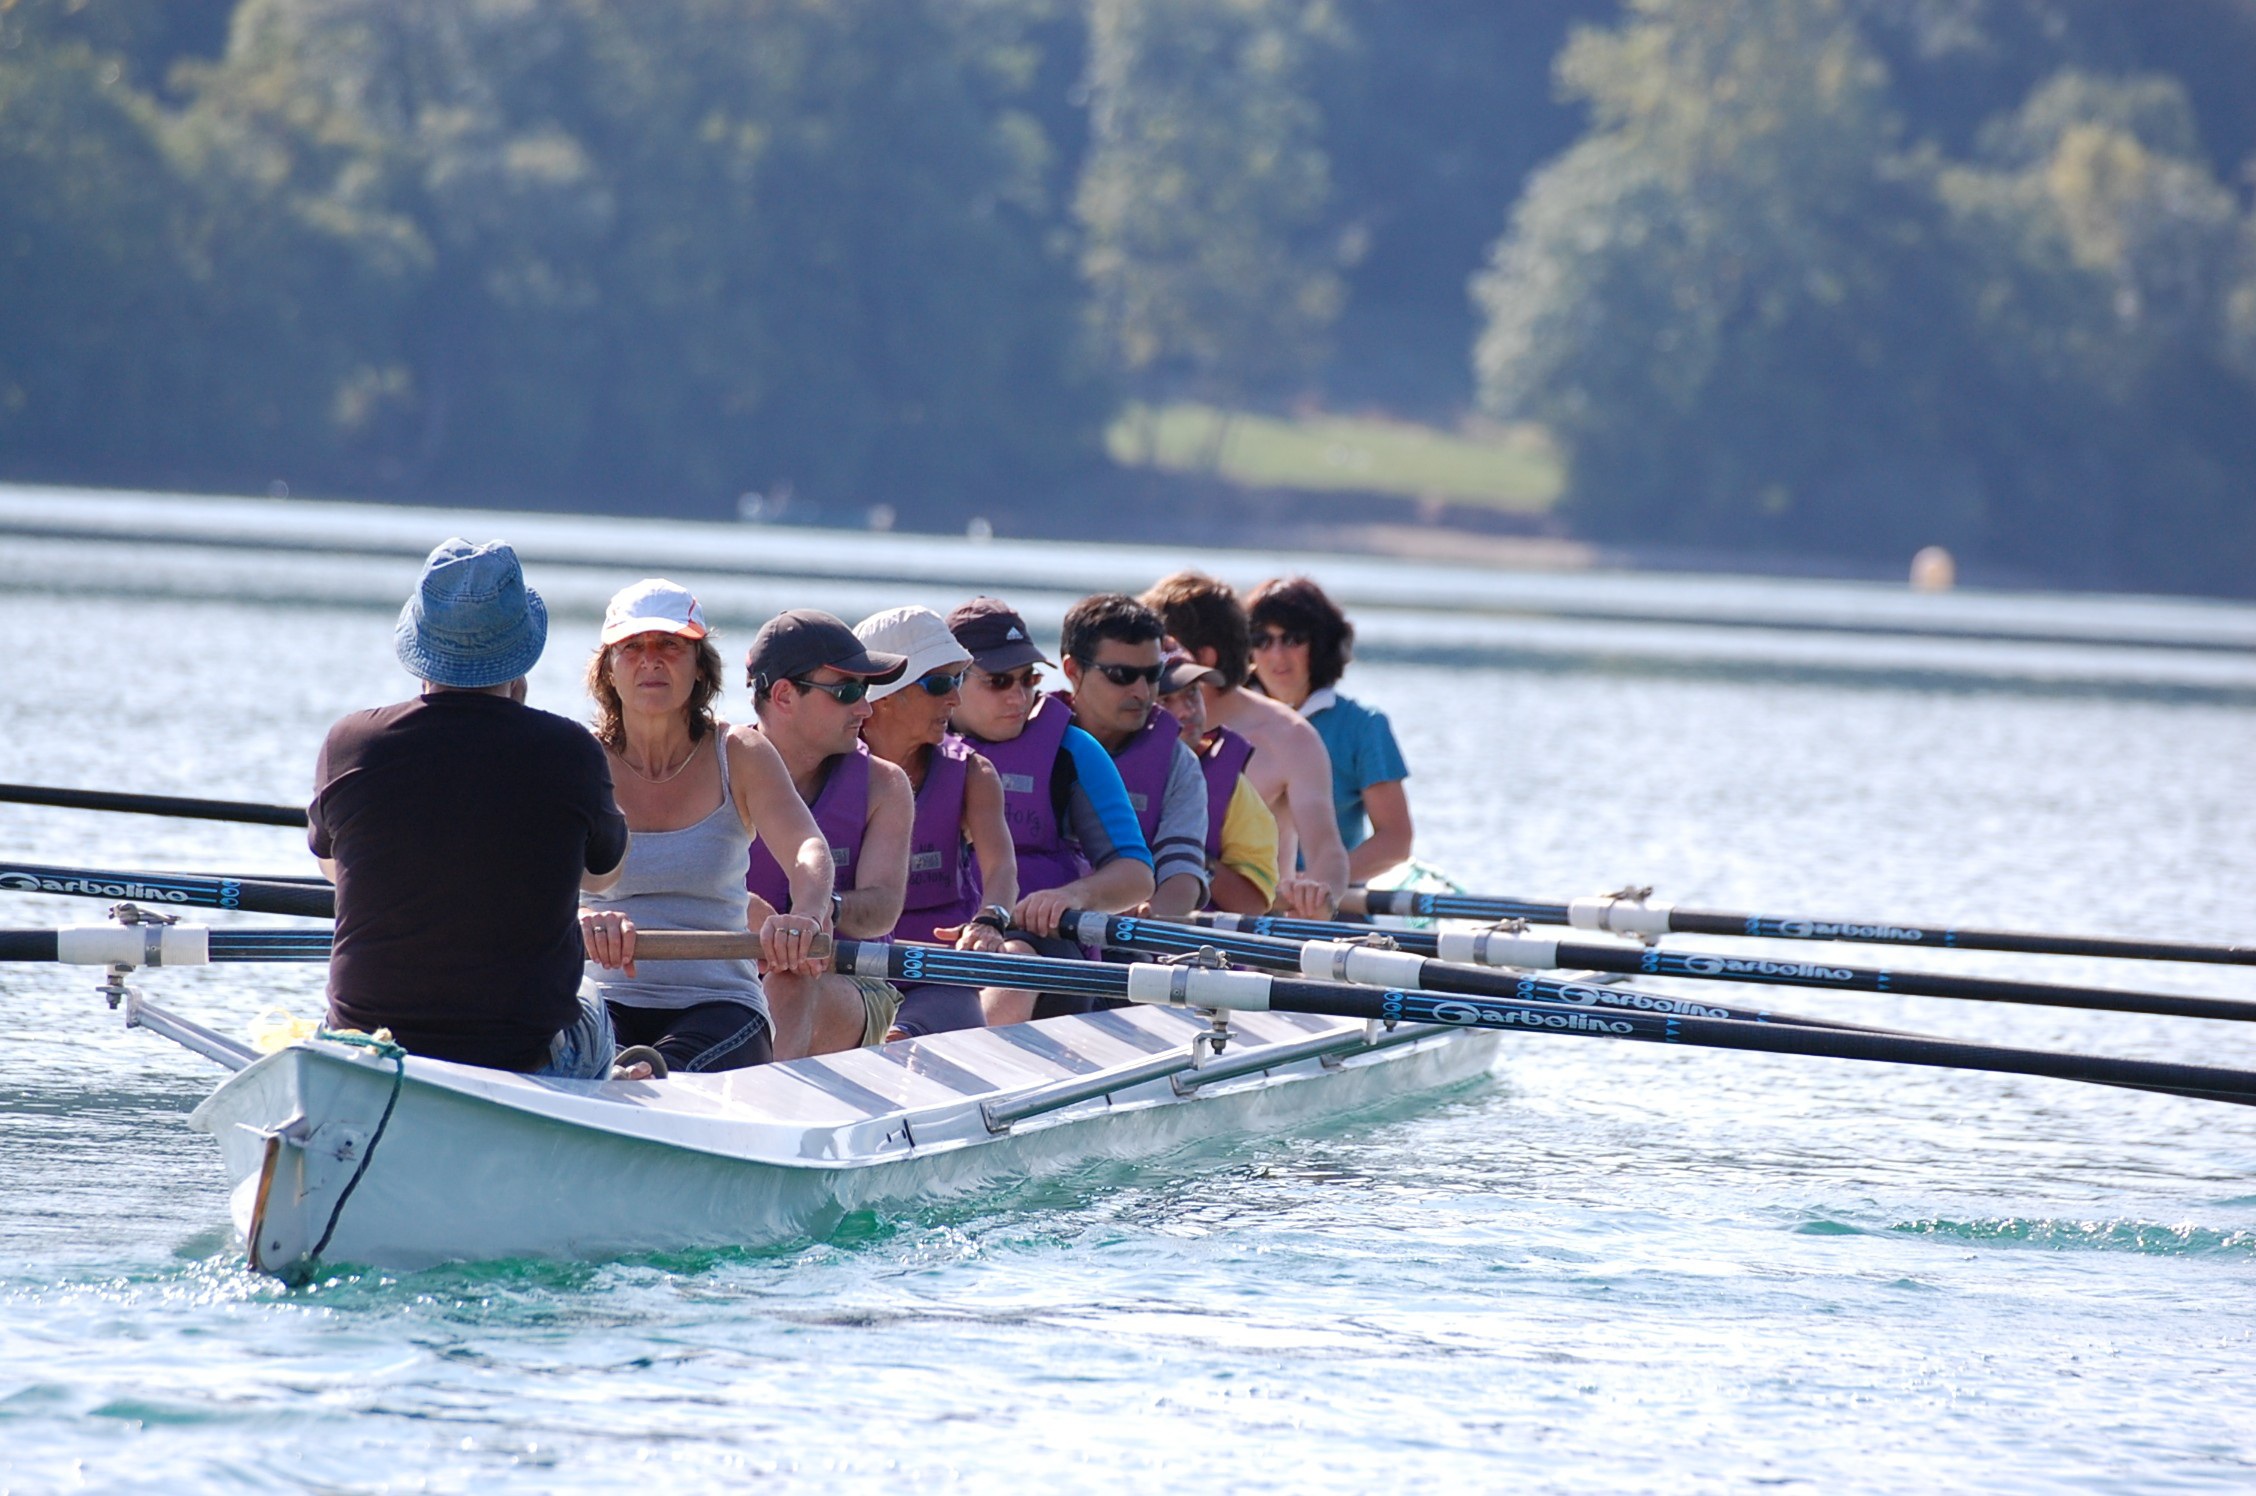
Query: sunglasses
point(937, 684)
point(1278, 639)
point(1029, 678)
point(1128, 675)
point(844, 692)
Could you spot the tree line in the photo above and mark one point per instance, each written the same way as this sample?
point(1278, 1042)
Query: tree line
point(1824, 277)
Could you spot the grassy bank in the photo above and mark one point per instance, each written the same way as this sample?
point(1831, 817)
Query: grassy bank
point(1515, 471)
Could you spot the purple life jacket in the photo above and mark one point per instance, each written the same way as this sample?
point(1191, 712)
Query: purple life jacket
point(1027, 765)
point(1223, 756)
point(1144, 765)
point(943, 879)
point(841, 812)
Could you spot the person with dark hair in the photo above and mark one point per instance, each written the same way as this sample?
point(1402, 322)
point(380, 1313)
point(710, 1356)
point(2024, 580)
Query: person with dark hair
point(1113, 661)
point(811, 681)
point(460, 828)
point(1241, 834)
point(1301, 645)
point(1289, 765)
point(696, 791)
point(1078, 842)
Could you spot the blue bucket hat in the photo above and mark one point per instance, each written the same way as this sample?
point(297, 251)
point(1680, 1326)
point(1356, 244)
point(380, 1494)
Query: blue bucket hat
point(472, 622)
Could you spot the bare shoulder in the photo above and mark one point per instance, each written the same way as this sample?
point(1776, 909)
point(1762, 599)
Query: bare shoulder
point(890, 779)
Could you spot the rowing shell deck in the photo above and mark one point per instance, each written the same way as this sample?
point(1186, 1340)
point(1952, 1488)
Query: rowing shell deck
point(478, 1164)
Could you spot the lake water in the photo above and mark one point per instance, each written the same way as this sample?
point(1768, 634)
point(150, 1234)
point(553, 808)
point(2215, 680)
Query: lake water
point(1605, 1267)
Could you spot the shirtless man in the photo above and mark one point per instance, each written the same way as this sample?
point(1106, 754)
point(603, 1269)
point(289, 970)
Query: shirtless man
point(1289, 766)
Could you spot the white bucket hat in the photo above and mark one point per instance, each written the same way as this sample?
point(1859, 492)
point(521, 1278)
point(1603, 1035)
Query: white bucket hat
point(918, 633)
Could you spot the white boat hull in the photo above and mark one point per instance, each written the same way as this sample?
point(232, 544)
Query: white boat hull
point(478, 1164)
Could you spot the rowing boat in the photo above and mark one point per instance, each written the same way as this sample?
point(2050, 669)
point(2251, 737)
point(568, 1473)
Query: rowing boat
point(340, 1152)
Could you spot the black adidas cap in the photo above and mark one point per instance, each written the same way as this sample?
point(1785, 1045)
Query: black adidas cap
point(995, 635)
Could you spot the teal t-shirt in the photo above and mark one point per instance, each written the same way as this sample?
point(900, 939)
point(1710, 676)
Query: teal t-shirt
point(1363, 752)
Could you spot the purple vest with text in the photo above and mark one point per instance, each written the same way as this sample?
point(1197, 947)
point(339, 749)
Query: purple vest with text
point(841, 812)
point(1224, 757)
point(1028, 767)
point(1144, 766)
point(943, 880)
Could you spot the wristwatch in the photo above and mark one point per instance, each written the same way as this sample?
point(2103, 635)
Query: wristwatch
point(837, 907)
point(994, 916)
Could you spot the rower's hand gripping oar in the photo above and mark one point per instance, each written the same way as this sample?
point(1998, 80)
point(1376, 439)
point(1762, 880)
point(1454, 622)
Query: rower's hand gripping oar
point(155, 805)
point(1503, 947)
point(1629, 912)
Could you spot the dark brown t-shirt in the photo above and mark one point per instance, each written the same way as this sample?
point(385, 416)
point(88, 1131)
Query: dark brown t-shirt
point(461, 824)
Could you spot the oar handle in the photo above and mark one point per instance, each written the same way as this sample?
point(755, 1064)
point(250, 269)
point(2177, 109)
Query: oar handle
point(709, 945)
point(155, 805)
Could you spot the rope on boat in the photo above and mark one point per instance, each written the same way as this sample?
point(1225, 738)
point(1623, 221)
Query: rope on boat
point(382, 1044)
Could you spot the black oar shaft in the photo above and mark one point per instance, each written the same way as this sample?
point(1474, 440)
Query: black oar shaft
point(1704, 966)
point(155, 805)
point(173, 890)
point(1284, 955)
point(1252, 990)
point(1718, 1033)
point(1630, 917)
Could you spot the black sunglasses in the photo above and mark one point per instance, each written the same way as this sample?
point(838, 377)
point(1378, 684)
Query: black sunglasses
point(1278, 638)
point(937, 684)
point(1126, 675)
point(1010, 680)
point(844, 692)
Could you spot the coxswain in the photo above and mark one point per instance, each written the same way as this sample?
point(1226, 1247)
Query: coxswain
point(963, 870)
point(1289, 766)
point(460, 827)
point(1077, 839)
point(811, 680)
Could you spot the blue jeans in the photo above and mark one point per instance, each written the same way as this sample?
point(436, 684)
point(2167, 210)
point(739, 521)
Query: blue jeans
point(584, 1049)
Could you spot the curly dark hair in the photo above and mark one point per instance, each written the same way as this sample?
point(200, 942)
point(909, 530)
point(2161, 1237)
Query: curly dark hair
point(1203, 613)
point(1108, 615)
point(1296, 605)
point(611, 730)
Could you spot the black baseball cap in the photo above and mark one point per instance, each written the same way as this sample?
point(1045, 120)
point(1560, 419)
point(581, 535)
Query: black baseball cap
point(996, 636)
point(805, 639)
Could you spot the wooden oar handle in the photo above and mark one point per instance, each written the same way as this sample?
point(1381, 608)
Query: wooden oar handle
point(708, 945)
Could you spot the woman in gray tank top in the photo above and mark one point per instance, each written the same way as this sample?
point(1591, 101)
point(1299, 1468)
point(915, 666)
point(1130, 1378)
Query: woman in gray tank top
point(695, 792)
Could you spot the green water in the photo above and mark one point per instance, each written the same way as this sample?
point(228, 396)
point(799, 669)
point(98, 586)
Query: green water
point(1602, 1268)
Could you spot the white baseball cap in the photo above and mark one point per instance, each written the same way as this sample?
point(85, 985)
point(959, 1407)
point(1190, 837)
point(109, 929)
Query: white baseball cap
point(918, 633)
point(653, 606)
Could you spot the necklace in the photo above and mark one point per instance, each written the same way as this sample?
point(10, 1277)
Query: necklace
point(670, 775)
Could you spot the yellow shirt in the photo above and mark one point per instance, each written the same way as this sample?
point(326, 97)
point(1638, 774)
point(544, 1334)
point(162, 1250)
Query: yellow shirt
point(1249, 839)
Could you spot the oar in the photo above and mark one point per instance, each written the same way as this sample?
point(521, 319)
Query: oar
point(156, 805)
point(1621, 914)
point(158, 944)
point(1502, 948)
point(174, 890)
point(1253, 991)
point(1367, 966)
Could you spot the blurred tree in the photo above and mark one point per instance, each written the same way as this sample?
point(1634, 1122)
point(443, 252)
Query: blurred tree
point(1727, 301)
point(1755, 317)
point(1434, 114)
point(1204, 192)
